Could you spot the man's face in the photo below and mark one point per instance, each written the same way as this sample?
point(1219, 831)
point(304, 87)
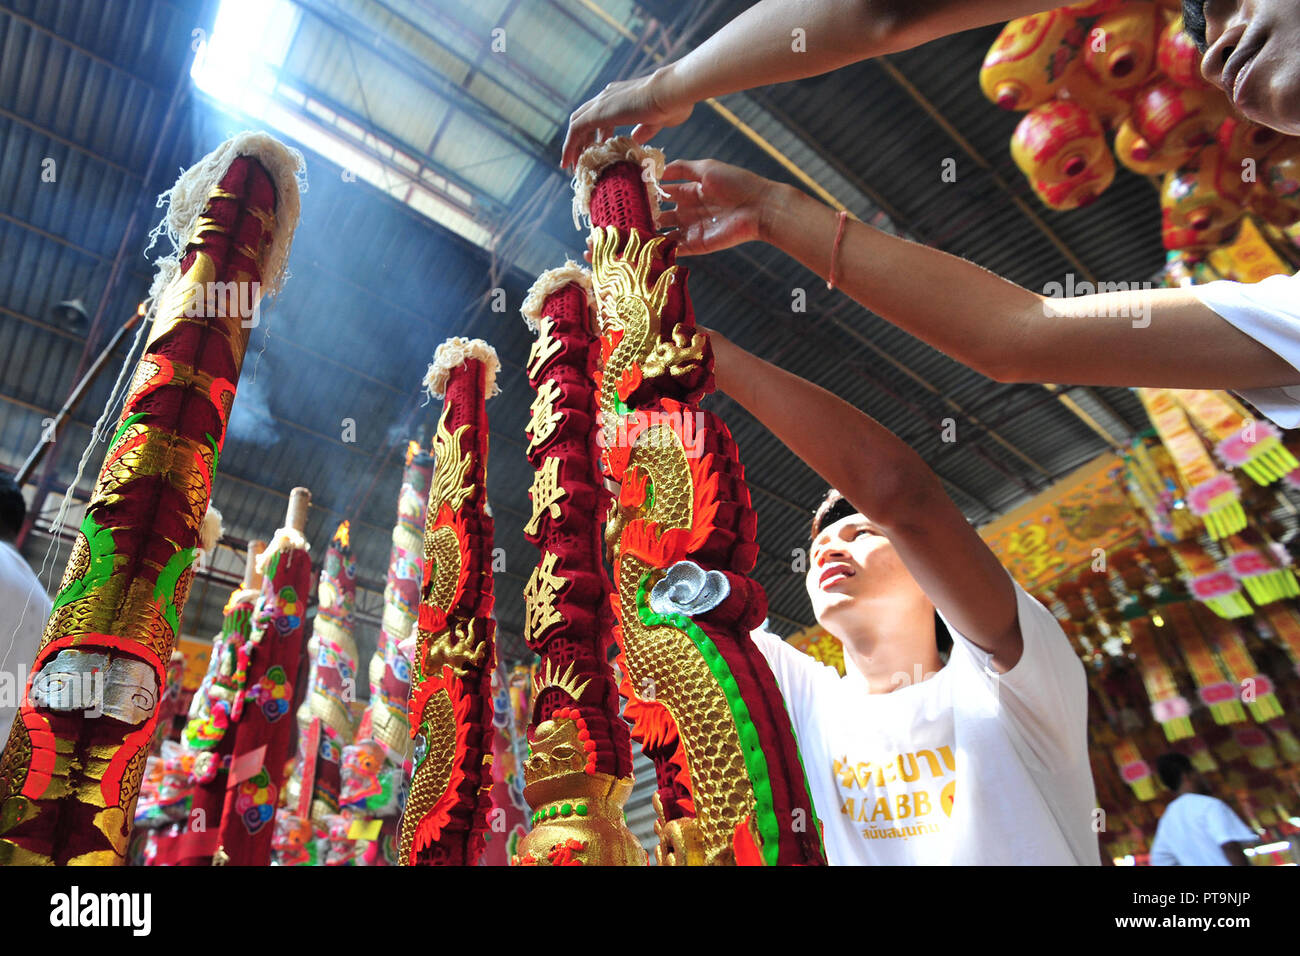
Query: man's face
point(1254, 57)
point(851, 559)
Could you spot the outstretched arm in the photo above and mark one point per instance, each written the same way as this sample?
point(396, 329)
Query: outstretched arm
point(889, 483)
point(1153, 337)
point(759, 47)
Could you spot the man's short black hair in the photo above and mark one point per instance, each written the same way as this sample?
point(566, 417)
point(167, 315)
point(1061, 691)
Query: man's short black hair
point(1171, 768)
point(835, 506)
point(1194, 22)
point(12, 507)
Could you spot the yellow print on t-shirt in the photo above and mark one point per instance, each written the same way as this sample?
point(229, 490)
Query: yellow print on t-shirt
point(923, 782)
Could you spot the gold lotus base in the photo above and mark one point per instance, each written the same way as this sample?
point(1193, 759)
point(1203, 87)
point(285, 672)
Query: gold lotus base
point(579, 822)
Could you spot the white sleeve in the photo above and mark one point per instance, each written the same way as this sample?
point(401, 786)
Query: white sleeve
point(1043, 700)
point(1269, 312)
point(797, 675)
point(1160, 853)
point(1224, 826)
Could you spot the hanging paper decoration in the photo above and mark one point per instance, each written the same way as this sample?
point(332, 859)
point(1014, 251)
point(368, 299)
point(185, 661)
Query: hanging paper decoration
point(1170, 709)
point(1211, 494)
point(1286, 625)
point(450, 707)
point(1135, 771)
point(578, 774)
point(1260, 568)
point(70, 774)
point(682, 534)
point(1242, 442)
point(1255, 689)
point(1152, 483)
point(1284, 737)
point(1216, 689)
point(1213, 586)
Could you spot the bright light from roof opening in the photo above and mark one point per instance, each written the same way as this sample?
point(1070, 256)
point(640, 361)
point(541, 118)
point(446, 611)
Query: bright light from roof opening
point(239, 65)
point(239, 62)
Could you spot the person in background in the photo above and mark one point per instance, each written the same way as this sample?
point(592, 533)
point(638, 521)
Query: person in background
point(1227, 335)
point(24, 606)
point(1196, 828)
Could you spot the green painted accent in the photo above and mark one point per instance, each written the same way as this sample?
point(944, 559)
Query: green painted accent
point(216, 455)
point(164, 588)
point(553, 812)
point(769, 828)
point(104, 560)
point(273, 564)
point(620, 406)
point(649, 495)
point(566, 809)
point(126, 423)
point(581, 810)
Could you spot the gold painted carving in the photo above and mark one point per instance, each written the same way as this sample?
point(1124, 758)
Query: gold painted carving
point(547, 493)
point(543, 587)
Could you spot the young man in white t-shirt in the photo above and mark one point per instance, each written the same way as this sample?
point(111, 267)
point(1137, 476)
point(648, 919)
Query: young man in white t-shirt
point(982, 760)
point(1196, 828)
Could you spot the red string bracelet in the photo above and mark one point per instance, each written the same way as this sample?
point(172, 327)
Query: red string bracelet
point(835, 248)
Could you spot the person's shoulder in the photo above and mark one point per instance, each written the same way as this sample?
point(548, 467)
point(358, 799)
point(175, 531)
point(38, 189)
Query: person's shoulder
point(1278, 294)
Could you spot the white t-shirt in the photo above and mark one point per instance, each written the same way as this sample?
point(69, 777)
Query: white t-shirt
point(1193, 830)
point(24, 609)
point(1269, 312)
point(966, 767)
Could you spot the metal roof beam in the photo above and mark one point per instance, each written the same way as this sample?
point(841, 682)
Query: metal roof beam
point(90, 55)
point(351, 28)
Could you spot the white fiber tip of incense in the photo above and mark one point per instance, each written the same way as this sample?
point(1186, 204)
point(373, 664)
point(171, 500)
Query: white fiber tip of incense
point(452, 354)
point(210, 532)
point(186, 200)
point(620, 149)
point(550, 282)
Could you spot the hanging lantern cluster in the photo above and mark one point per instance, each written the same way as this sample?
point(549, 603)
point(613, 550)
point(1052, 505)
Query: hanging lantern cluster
point(1128, 70)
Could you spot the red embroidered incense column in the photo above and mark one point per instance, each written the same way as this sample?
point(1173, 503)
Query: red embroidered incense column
point(325, 724)
point(682, 531)
point(579, 772)
point(70, 774)
point(263, 732)
point(450, 709)
point(218, 704)
point(373, 766)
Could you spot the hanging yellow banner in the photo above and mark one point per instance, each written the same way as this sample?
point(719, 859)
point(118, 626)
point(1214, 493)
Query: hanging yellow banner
point(1061, 529)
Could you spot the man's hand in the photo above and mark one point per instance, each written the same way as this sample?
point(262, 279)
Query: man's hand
point(648, 103)
point(718, 206)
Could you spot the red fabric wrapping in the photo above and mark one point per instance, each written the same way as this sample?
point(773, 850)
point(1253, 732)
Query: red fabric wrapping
point(152, 518)
point(583, 636)
point(449, 831)
point(725, 543)
point(267, 724)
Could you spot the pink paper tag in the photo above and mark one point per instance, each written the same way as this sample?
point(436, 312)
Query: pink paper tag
point(246, 766)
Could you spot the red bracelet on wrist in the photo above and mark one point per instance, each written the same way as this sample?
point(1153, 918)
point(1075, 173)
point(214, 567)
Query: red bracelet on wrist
point(835, 248)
